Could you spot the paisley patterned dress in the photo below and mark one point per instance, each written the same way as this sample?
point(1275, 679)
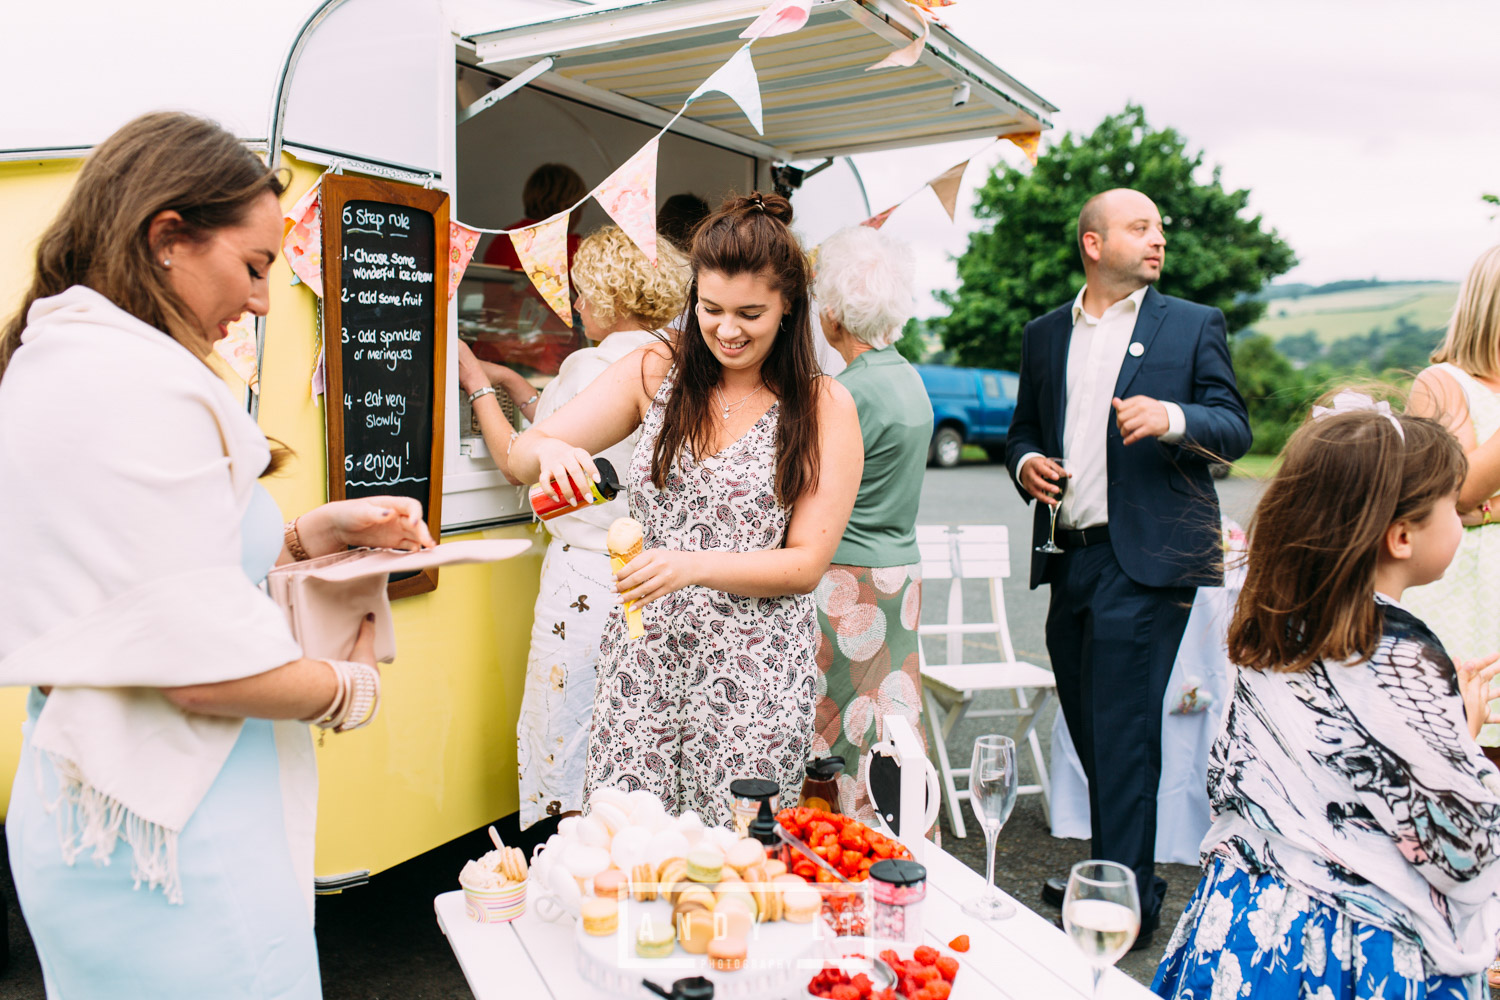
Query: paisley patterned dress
point(721, 686)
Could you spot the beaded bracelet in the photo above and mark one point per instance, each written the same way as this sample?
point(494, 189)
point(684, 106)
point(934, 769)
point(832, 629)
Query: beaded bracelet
point(355, 701)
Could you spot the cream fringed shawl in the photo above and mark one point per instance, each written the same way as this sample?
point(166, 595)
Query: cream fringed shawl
point(125, 469)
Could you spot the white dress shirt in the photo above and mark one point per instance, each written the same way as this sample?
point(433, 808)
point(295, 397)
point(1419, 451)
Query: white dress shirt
point(1095, 352)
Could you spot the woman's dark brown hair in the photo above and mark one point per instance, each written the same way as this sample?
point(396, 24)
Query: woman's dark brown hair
point(749, 236)
point(1317, 531)
point(159, 161)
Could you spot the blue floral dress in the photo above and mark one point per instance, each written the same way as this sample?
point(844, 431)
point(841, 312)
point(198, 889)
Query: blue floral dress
point(1357, 828)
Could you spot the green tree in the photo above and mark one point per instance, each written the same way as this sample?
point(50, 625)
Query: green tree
point(1024, 262)
point(1276, 394)
point(912, 344)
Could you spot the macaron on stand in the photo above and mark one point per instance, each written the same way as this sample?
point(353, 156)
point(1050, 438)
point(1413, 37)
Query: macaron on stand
point(769, 908)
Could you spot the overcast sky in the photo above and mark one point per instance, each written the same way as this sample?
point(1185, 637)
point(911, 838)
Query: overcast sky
point(1366, 131)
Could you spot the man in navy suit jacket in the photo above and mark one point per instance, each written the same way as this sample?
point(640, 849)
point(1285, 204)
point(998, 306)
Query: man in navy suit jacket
point(1134, 391)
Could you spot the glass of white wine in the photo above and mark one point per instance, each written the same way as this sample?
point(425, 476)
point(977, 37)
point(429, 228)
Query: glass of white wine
point(1101, 913)
point(992, 794)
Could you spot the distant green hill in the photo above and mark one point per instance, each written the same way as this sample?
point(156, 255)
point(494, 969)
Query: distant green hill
point(1350, 308)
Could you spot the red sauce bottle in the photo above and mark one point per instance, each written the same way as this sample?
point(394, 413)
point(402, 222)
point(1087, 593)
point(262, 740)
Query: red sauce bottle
point(546, 506)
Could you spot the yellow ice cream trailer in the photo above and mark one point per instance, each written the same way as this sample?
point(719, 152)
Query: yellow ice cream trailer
point(464, 98)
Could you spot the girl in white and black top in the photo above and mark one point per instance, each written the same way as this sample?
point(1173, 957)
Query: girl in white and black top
point(1357, 823)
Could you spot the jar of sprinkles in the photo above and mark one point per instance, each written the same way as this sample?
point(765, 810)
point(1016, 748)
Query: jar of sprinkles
point(899, 886)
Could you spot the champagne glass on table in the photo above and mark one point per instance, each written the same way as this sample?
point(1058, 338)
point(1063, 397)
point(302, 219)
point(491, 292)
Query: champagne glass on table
point(1050, 546)
point(1101, 913)
point(992, 794)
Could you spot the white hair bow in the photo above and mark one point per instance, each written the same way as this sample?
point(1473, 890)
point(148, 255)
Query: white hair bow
point(1350, 401)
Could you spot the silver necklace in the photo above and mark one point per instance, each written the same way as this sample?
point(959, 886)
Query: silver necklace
point(730, 408)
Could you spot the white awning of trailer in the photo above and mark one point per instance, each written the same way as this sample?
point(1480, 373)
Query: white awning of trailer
point(819, 99)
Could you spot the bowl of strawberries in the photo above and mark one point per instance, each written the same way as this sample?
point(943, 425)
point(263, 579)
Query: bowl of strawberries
point(834, 853)
point(900, 973)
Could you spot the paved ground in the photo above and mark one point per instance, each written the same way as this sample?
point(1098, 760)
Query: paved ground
point(381, 942)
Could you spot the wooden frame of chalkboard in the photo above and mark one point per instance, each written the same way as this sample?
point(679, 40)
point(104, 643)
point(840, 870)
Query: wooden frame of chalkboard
point(385, 310)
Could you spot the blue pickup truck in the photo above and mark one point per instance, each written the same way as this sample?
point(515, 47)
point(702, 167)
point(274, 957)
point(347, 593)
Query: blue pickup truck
point(969, 406)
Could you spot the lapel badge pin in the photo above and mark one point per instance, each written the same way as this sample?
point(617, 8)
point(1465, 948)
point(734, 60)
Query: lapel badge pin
point(1137, 349)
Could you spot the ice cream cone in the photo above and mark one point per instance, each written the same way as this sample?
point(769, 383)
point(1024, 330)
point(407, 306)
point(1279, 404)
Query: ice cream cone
point(626, 541)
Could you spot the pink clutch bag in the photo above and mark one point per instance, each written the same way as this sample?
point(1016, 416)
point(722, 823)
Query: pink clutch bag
point(326, 598)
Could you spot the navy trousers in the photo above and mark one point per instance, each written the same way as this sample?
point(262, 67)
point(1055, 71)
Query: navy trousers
point(1113, 643)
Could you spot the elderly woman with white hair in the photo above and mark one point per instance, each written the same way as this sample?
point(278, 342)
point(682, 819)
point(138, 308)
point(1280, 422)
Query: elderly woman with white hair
point(870, 600)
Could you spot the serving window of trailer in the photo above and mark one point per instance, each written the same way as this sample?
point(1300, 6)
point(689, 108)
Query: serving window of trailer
point(499, 314)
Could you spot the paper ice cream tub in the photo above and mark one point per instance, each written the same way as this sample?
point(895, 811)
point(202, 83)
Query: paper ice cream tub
point(494, 906)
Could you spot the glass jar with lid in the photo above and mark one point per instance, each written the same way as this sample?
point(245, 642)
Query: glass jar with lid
point(820, 788)
point(747, 795)
point(899, 886)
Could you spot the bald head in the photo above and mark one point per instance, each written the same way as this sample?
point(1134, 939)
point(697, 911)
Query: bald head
point(1120, 233)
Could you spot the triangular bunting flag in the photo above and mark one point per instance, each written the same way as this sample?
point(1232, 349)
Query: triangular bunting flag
point(945, 185)
point(876, 221)
point(543, 249)
point(1028, 141)
point(237, 348)
point(737, 79)
point(906, 55)
point(781, 18)
point(629, 196)
point(461, 243)
point(302, 242)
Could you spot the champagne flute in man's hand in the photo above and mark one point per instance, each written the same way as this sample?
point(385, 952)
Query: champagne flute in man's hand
point(1050, 546)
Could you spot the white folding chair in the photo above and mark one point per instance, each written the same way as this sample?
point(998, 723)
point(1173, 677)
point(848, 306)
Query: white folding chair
point(976, 552)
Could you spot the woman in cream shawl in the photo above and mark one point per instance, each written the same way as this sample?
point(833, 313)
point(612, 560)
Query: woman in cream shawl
point(129, 596)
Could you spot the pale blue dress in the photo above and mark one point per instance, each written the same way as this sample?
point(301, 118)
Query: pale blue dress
point(243, 930)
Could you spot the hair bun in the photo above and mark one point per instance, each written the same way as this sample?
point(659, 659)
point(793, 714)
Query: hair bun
point(773, 205)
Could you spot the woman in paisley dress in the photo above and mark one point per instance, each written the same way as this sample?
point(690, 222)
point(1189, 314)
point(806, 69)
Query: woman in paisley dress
point(1356, 823)
point(622, 299)
point(743, 479)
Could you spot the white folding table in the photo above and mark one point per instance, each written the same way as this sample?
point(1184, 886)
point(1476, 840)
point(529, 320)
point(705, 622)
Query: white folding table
point(1023, 958)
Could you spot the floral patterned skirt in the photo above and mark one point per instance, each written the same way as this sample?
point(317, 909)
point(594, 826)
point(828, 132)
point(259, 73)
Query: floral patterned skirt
point(1245, 935)
point(867, 667)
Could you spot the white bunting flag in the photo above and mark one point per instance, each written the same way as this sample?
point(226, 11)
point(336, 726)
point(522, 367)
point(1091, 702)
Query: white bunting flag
point(737, 79)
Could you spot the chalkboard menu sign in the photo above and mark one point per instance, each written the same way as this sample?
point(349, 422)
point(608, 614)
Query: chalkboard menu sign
point(385, 284)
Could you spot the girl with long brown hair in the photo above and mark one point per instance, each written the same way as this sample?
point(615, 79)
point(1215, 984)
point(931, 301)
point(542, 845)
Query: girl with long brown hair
point(1356, 824)
point(743, 478)
point(162, 738)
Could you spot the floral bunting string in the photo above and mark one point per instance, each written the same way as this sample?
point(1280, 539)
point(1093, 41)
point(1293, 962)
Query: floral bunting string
point(543, 249)
point(1029, 142)
point(237, 348)
point(302, 242)
point(462, 240)
point(908, 55)
point(945, 185)
point(876, 221)
point(736, 79)
point(629, 196)
point(781, 18)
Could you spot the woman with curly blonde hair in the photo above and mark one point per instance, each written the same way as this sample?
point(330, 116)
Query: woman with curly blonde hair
point(624, 301)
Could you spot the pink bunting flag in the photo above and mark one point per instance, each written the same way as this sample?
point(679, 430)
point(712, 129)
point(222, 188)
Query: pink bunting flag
point(945, 185)
point(876, 221)
point(629, 196)
point(737, 79)
point(907, 55)
point(1029, 143)
point(543, 249)
point(237, 348)
point(781, 18)
point(461, 243)
point(302, 242)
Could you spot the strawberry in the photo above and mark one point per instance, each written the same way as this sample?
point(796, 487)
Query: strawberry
point(926, 955)
point(960, 943)
point(948, 966)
